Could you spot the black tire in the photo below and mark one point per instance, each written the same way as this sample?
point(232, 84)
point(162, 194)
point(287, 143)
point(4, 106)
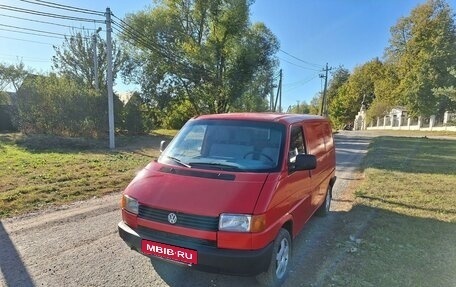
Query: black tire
point(280, 260)
point(323, 210)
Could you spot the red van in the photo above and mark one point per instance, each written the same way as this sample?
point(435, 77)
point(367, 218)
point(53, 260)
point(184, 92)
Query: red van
point(231, 192)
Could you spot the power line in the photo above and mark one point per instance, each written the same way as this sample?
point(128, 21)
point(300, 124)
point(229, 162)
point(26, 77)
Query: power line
point(46, 22)
point(33, 30)
point(302, 83)
point(51, 15)
point(294, 64)
point(30, 41)
point(30, 33)
point(301, 60)
point(64, 7)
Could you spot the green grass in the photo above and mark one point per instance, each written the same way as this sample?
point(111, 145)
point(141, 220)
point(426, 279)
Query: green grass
point(38, 171)
point(409, 199)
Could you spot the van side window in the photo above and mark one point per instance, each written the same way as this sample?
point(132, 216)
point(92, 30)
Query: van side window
point(296, 143)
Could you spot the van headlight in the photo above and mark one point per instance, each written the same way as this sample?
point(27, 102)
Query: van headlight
point(235, 222)
point(130, 204)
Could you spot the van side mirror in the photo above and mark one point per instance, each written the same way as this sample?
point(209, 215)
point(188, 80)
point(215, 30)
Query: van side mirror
point(305, 162)
point(163, 145)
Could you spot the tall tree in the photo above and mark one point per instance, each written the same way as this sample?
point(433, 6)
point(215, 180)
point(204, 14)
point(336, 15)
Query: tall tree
point(358, 89)
point(338, 78)
point(201, 52)
point(12, 75)
point(421, 48)
point(74, 58)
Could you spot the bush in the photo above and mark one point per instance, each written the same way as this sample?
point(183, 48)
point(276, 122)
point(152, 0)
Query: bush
point(60, 106)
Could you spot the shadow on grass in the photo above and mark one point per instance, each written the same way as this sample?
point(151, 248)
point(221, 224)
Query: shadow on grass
point(413, 155)
point(410, 206)
point(11, 265)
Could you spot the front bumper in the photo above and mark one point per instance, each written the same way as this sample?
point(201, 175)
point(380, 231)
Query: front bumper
point(212, 259)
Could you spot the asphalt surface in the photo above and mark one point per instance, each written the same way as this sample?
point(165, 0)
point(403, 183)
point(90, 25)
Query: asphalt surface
point(78, 245)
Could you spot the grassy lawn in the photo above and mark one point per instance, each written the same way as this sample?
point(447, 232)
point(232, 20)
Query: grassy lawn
point(408, 198)
point(38, 171)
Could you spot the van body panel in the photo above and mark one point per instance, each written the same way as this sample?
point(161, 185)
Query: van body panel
point(197, 195)
point(241, 164)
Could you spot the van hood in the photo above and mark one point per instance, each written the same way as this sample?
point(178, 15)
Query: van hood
point(196, 191)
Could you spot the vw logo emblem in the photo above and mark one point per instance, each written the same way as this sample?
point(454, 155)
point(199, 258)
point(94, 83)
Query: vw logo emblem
point(172, 218)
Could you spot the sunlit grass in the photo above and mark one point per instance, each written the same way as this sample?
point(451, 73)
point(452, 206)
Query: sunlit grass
point(409, 193)
point(38, 171)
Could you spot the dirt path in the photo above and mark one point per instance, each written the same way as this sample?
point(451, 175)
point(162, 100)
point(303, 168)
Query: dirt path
point(79, 246)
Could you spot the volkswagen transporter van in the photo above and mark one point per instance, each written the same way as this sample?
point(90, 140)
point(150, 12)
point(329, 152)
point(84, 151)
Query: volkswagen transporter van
point(231, 192)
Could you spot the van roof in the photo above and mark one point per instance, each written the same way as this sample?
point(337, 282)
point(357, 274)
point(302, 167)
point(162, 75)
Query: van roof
point(266, 117)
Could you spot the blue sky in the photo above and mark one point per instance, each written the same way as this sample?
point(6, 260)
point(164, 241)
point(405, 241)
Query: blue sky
point(347, 33)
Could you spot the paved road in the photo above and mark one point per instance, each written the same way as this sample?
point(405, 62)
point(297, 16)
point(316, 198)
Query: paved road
point(79, 246)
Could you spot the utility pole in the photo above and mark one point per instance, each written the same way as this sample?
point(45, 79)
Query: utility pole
point(324, 104)
point(279, 94)
point(109, 78)
point(95, 58)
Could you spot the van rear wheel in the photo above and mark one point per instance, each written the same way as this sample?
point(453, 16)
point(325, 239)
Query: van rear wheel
point(323, 210)
point(280, 259)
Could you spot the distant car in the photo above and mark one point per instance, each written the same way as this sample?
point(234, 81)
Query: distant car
point(231, 192)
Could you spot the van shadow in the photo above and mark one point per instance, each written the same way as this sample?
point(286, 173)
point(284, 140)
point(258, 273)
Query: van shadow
point(321, 251)
point(11, 265)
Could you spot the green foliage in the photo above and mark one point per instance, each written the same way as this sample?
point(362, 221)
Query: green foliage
point(12, 75)
point(201, 56)
point(74, 59)
point(314, 106)
point(350, 93)
point(448, 92)
point(177, 115)
point(60, 106)
point(4, 98)
point(132, 116)
point(421, 48)
point(414, 74)
point(300, 108)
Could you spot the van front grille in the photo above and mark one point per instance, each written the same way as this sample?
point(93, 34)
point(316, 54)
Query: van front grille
point(174, 239)
point(206, 223)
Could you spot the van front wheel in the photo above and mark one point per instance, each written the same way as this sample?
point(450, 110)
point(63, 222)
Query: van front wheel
point(280, 259)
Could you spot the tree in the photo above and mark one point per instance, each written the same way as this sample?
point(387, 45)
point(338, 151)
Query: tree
point(300, 108)
point(421, 48)
point(74, 58)
point(358, 89)
point(449, 91)
point(12, 75)
point(338, 79)
point(203, 53)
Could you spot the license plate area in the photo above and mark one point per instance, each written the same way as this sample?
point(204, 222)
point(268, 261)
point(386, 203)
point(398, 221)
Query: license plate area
point(171, 252)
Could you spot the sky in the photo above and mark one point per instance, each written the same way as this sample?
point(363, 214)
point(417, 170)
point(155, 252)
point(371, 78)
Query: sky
point(311, 33)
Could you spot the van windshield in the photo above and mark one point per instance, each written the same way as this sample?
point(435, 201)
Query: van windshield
point(229, 145)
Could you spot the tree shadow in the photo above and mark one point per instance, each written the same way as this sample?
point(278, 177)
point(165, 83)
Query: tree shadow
point(412, 155)
point(11, 265)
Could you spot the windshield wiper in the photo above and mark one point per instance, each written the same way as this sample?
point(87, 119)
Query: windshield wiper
point(176, 160)
point(215, 165)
